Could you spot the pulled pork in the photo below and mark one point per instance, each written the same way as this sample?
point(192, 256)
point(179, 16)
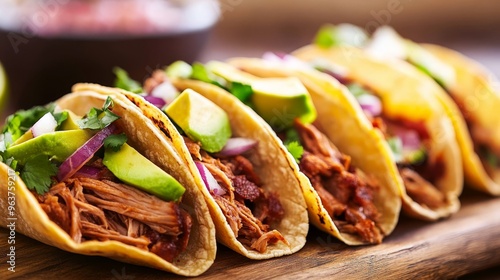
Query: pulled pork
point(346, 192)
point(242, 193)
point(100, 209)
point(418, 178)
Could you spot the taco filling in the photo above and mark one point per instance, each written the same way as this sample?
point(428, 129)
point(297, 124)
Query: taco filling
point(345, 191)
point(80, 180)
point(228, 174)
point(408, 141)
point(445, 75)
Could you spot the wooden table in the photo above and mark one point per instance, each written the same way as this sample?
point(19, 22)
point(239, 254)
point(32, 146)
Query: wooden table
point(467, 242)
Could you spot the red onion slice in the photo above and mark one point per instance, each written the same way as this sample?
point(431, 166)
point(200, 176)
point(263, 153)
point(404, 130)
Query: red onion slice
point(209, 180)
point(81, 156)
point(237, 146)
point(370, 104)
point(45, 124)
point(88, 172)
point(157, 101)
point(410, 139)
point(165, 91)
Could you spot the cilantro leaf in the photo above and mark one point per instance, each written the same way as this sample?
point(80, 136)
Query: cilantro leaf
point(99, 118)
point(201, 73)
point(292, 136)
point(241, 91)
point(37, 173)
point(115, 141)
point(21, 121)
point(61, 117)
point(123, 81)
point(295, 149)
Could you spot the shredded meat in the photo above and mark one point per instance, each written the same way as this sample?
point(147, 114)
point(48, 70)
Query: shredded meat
point(157, 78)
point(421, 190)
point(243, 191)
point(345, 192)
point(89, 209)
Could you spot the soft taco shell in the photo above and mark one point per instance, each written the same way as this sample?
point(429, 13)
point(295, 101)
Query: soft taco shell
point(33, 222)
point(404, 94)
point(276, 168)
point(479, 93)
point(339, 118)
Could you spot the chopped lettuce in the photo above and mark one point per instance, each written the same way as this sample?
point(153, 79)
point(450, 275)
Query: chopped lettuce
point(123, 81)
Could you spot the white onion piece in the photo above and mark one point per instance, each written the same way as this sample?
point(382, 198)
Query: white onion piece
point(370, 104)
point(157, 101)
point(209, 180)
point(284, 58)
point(45, 124)
point(237, 146)
point(81, 156)
point(165, 91)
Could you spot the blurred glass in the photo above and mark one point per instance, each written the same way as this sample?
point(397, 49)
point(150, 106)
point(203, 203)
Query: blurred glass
point(48, 45)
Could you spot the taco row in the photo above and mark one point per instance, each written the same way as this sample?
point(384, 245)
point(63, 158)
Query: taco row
point(246, 153)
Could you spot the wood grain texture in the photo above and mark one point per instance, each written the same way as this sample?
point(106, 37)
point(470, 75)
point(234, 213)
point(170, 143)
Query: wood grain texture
point(467, 242)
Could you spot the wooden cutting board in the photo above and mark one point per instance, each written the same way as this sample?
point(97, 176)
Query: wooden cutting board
point(467, 242)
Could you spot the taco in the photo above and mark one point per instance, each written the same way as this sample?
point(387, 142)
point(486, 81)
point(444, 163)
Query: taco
point(250, 183)
point(364, 208)
point(415, 127)
point(91, 175)
point(470, 93)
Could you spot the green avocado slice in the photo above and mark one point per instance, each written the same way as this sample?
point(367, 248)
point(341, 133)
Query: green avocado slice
point(201, 119)
point(57, 145)
point(131, 167)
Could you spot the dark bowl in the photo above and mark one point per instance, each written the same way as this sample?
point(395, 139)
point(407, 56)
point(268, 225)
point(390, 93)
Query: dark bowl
point(41, 69)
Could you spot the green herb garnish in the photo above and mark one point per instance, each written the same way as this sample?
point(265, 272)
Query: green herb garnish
point(115, 141)
point(241, 91)
point(295, 149)
point(123, 81)
point(37, 173)
point(99, 118)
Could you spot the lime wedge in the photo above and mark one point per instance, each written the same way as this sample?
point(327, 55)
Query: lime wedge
point(3, 90)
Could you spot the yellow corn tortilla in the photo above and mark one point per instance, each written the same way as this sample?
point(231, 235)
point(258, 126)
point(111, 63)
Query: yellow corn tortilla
point(33, 222)
point(276, 169)
point(406, 94)
point(479, 91)
point(338, 119)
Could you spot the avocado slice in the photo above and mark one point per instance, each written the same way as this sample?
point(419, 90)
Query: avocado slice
point(280, 100)
point(58, 145)
point(71, 122)
point(201, 120)
point(131, 167)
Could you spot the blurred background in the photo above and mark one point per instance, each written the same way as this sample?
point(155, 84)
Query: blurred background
point(48, 45)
